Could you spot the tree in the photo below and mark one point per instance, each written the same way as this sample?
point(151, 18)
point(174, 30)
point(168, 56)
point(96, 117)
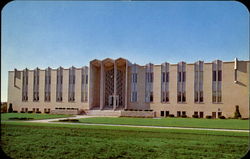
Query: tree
point(237, 112)
point(10, 110)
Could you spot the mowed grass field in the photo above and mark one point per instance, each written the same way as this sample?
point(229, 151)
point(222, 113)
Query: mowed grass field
point(6, 116)
point(175, 122)
point(42, 140)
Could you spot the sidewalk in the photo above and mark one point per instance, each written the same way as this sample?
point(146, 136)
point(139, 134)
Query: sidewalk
point(53, 121)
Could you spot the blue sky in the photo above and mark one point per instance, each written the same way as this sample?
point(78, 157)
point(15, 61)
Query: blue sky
point(42, 34)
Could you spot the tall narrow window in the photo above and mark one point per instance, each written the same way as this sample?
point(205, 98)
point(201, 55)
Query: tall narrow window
point(71, 88)
point(216, 83)
point(59, 84)
point(165, 82)
point(25, 85)
point(198, 82)
point(181, 82)
point(47, 90)
point(36, 85)
point(134, 83)
point(84, 84)
point(149, 79)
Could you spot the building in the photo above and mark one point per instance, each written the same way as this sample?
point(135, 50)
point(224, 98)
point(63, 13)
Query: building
point(116, 86)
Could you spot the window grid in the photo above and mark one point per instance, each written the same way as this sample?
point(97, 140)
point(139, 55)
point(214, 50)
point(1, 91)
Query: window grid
point(216, 81)
point(149, 79)
point(36, 85)
point(134, 83)
point(59, 85)
point(181, 84)
point(84, 84)
point(198, 82)
point(25, 85)
point(165, 82)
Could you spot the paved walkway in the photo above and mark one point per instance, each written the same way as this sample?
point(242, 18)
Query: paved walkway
point(53, 121)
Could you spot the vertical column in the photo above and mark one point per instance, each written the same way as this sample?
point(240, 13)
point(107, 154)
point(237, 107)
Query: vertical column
point(90, 86)
point(126, 86)
point(115, 77)
point(102, 87)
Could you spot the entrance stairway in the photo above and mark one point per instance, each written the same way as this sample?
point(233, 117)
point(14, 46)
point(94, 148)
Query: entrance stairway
point(104, 112)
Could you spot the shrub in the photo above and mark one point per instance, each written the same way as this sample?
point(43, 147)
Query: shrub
point(14, 111)
point(195, 116)
point(171, 115)
point(38, 112)
point(69, 120)
point(30, 111)
point(209, 117)
point(15, 118)
point(237, 112)
point(22, 112)
point(81, 112)
point(184, 116)
point(222, 117)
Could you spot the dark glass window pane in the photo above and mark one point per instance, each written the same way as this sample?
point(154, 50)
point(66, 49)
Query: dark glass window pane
point(214, 75)
point(163, 76)
point(219, 75)
point(183, 76)
point(179, 76)
point(167, 77)
point(162, 113)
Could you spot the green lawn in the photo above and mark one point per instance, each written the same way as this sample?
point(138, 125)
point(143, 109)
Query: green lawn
point(42, 140)
point(176, 122)
point(6, 116)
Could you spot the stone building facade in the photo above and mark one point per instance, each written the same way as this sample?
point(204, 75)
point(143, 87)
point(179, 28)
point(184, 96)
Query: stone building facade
point(113, 86)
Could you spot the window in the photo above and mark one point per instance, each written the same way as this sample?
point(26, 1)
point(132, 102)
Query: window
point(165, 82)
point(201, 114)
point(216, 84)
point(213, 114)
point(151, 97)
point(84, 86)
point(134, 83)
point(181, 84)
point(71, 88)
point(214, 75)
point(36, 85)
point(195, 113)
point(149, 82)
point(162, 113)
point(167, 113)
point(25, 85)
point(178, 113)
point(183, 112)
point(198, 82)
point(163, 76)
point(219, 75)
point(59, 85)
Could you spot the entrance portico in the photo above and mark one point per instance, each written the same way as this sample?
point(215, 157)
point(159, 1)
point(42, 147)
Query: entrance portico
point(108, 90)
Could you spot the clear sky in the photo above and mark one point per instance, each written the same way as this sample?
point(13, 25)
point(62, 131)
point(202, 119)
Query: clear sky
point(42, 34)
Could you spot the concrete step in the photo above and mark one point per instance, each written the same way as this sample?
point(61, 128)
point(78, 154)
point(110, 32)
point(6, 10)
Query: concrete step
point(104, 113)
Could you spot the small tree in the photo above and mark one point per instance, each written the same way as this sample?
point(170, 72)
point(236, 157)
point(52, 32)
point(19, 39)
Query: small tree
point(237, 112)
point(10, 110)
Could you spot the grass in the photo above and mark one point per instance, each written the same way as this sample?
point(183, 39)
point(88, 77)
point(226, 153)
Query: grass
point(43, 140)
point(175, 122)
point(6, 116)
